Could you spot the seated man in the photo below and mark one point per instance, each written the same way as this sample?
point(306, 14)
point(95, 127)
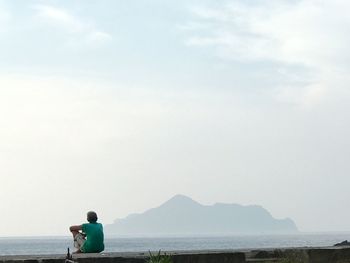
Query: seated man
point(88, 238)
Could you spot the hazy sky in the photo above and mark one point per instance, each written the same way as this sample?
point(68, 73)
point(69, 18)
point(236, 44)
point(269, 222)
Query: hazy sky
point(116, 106)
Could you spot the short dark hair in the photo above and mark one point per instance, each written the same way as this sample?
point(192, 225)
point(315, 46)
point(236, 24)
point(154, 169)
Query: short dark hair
point(91, 217)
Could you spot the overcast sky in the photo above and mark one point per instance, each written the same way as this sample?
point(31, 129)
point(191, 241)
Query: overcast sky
point(116, 106)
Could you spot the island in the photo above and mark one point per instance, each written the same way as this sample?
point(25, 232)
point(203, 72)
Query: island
point(183, 216)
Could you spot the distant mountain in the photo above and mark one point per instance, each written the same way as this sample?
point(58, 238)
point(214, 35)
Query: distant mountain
point(182, 215)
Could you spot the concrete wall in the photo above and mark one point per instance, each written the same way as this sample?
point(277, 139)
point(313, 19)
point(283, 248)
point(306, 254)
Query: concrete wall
point(295, 255)
point(301, 255)
point(186, 257)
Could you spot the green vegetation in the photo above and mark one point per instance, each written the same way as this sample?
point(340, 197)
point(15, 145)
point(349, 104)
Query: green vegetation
point(159, 258)
point(293, 257)
point(288, 260)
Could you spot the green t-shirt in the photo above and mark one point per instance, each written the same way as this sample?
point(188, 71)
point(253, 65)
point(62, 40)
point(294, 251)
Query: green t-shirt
point(94, 238)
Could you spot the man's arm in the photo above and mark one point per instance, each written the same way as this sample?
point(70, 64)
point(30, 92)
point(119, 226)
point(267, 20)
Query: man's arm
point(75, 228)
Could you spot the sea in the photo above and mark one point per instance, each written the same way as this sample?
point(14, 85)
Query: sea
point(59, 245)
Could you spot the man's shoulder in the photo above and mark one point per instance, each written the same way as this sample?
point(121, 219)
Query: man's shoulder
point(92, 225)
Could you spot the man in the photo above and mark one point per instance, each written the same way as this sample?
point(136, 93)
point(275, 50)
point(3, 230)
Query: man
point(88, 238)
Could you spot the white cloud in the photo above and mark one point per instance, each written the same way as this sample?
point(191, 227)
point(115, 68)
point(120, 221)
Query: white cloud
point(61, 18)
point(99, 36)
point(310, 33)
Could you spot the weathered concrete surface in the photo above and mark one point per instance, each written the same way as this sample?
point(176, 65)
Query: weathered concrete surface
point(177, 257)
point(210, 258)
point(301, 255)
point(320, 255)
point(288, 255)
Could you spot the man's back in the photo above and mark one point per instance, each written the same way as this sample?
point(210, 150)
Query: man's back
point(94, 238)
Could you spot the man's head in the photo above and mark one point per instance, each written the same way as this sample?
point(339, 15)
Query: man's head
point(91, 217)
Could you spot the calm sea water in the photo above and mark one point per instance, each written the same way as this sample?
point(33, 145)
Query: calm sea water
point(58, 245)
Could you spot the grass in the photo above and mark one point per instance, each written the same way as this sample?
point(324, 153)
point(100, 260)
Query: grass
point(159, 258)
point(293, 257)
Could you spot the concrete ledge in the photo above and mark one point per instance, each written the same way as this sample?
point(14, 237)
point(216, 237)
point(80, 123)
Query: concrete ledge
point(320, 255)
point(307, 255)
point(210, 258)
point(178, 257)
